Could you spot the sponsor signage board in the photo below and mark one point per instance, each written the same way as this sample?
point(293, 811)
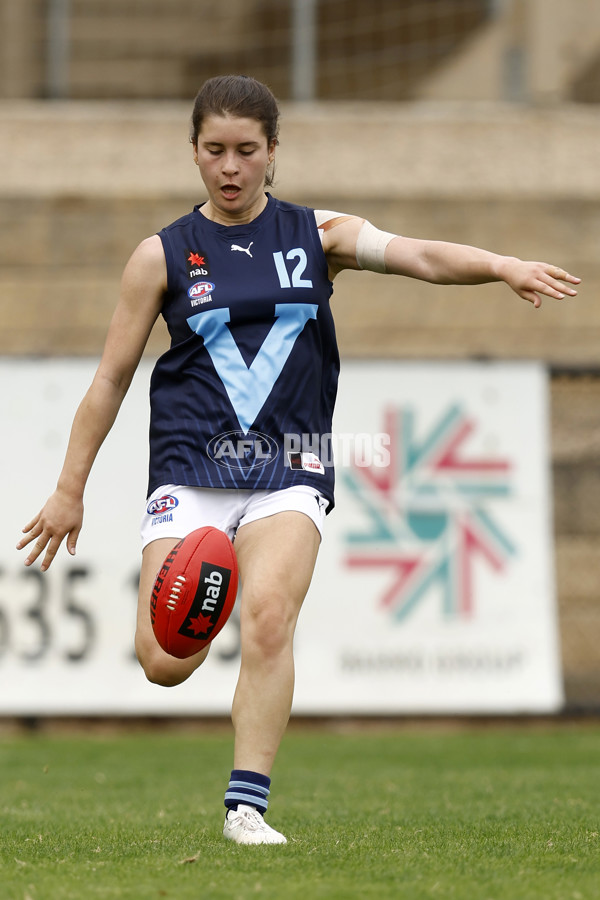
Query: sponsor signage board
point(434, 590)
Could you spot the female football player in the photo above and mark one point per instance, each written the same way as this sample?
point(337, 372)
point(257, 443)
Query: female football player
point(243, 282)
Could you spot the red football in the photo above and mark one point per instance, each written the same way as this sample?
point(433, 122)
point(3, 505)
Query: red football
point(194, 592)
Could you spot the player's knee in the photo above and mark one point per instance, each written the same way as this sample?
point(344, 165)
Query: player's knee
point(156, 669)
point(157, 672)
point(269, 627)
point(162, 669)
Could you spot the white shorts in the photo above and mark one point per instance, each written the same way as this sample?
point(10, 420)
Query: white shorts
point(174, 510)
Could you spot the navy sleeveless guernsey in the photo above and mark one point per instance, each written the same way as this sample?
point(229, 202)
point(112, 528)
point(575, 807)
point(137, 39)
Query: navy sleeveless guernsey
point(244, 396)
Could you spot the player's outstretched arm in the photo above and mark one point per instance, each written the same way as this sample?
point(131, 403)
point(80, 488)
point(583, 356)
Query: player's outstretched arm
point(142, 289)
point(445, 263)
point(352, 243)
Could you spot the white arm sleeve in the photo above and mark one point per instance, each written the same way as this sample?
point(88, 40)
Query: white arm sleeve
point(370, 247)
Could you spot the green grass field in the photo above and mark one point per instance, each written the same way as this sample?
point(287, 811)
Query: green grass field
point(481, 814)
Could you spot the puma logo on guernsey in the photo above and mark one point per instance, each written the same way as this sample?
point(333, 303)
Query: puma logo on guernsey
point(243, 249)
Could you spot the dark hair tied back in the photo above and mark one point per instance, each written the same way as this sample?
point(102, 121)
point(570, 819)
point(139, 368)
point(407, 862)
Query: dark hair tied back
point(236, 95)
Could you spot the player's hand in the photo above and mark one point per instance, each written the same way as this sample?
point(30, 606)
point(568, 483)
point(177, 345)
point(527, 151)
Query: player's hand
point(61, 517)
point(534, 280)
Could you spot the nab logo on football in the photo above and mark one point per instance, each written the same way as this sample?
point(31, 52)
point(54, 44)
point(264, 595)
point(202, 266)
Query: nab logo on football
point(207, 605)
point(241, 450)
point(162, 505)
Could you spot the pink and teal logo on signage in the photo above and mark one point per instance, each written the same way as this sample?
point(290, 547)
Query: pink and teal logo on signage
point(432, 515)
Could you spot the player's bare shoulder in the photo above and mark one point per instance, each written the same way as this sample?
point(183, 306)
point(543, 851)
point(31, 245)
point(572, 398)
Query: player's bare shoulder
point(145, 275)
point(339, 233)
point(148, 259)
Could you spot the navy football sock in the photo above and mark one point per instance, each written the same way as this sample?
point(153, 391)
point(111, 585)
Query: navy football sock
point(247, 787)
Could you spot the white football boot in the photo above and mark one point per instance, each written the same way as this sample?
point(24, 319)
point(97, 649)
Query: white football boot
point(245, 825)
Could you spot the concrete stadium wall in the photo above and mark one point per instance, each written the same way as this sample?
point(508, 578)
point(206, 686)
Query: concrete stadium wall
point(81, 185)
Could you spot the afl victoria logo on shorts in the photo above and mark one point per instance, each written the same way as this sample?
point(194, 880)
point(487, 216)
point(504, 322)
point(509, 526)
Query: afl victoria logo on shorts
point(162, 505)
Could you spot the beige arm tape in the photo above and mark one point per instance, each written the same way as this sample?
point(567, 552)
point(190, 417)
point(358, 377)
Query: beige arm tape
point(323, 216)
point(370, 247)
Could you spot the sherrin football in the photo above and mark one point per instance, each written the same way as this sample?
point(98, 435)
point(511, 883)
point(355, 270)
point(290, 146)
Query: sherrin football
point(194, 592)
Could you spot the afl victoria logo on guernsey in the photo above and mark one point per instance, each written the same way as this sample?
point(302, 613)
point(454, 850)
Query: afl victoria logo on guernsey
point(161, 505)
point(200, 289)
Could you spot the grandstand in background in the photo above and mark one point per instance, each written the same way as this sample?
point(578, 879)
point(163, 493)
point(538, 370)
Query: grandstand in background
point(525, 50)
